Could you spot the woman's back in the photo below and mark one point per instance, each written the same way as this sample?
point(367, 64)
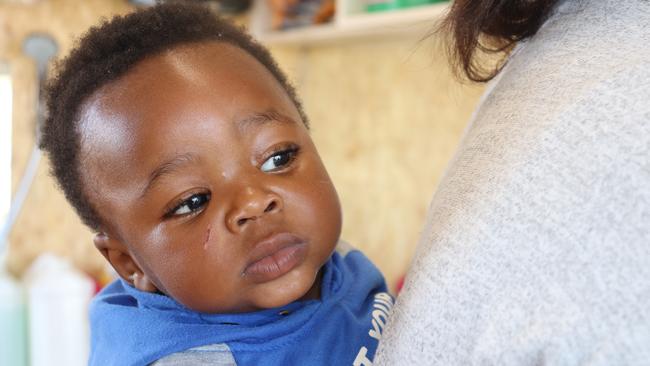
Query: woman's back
point(537, 244)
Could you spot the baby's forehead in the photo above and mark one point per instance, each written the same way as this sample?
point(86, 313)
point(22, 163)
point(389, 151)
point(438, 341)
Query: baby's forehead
point(195, 85)
point(183, 74)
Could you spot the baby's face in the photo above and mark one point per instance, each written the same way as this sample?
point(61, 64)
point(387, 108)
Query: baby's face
point(210, 186)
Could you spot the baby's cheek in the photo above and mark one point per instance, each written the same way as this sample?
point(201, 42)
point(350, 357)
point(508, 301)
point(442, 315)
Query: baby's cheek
point(175, 255)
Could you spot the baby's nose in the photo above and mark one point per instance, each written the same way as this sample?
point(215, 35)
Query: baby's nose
point(252, 205)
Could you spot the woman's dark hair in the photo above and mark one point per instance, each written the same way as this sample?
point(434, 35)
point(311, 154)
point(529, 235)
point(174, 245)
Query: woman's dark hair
point(109, 51)
point(479, 28)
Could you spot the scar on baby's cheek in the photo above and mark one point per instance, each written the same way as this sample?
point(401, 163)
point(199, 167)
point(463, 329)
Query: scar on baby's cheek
point(207, 238)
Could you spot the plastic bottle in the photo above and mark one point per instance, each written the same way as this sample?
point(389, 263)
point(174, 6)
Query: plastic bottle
point(383, 5)
point(58, 299)
point(13, 338)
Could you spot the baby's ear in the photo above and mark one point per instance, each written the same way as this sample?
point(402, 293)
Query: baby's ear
point(117, 254)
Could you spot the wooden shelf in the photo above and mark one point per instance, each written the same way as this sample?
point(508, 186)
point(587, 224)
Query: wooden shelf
point(357, 25)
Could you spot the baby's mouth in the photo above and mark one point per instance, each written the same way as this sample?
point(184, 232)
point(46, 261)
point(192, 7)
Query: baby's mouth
point(275, 256)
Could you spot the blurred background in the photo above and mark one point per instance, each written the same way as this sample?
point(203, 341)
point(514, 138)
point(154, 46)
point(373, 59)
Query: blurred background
point(386, 115)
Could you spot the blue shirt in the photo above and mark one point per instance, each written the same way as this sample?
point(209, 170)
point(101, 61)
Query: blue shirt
point(131, 327)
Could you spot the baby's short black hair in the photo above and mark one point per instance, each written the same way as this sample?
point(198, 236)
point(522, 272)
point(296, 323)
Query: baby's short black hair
point(107, 52)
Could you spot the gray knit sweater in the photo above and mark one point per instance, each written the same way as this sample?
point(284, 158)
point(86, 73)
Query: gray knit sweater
point(536, 249)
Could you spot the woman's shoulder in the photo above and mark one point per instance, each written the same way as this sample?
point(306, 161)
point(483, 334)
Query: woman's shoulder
point(584, 43)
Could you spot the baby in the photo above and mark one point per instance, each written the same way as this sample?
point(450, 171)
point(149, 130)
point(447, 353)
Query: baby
point(182, 145)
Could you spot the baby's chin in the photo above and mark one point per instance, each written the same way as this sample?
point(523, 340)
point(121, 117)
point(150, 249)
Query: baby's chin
point(301, 283)
point(295, 285)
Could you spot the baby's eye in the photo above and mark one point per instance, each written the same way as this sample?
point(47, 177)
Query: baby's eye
point(279, 160)
point(193, 204)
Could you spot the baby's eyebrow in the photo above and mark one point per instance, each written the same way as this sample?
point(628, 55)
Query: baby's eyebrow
point(166, 168)
point(261, 118)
